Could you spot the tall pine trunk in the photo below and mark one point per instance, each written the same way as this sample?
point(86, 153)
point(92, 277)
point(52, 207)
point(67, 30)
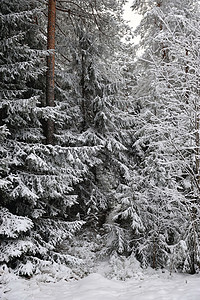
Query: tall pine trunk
point(50, 68)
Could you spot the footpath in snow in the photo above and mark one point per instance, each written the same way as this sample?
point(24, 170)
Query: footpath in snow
point(150, 286)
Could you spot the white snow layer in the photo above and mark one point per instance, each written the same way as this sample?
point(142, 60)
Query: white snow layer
point(151, 286)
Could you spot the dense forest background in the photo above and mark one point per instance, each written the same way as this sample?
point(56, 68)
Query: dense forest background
point(105, 164)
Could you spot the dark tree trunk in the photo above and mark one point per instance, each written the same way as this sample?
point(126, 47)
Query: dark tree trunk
point(50, 68)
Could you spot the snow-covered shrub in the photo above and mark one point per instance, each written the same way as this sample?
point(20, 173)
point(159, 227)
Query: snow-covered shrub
point(86, 247)
point(123, 268)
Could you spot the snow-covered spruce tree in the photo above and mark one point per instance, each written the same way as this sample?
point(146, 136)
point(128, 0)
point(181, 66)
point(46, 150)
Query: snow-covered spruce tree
point(36, 179)
point(19, 67)
point(166, 141)
point(90, 78)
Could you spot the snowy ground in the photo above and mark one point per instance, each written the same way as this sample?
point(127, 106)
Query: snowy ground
point(150, 286)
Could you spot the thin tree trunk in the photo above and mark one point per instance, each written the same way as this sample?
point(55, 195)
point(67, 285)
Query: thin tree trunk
point(50, 68)
point(84, 109)
point(197, 143)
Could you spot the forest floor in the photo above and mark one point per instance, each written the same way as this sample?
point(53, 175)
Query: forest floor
point(151, 285)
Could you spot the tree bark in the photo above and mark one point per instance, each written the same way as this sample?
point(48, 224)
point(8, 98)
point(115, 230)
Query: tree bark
point(50, 68)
